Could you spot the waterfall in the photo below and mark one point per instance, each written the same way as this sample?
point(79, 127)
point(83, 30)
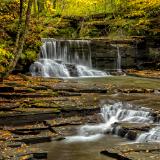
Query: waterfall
point(64, 58)
point(112, 114)
point(119, 69)
point(152, 136)
point(118, 113)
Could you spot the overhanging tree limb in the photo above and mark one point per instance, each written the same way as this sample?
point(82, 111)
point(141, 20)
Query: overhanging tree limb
point(21, 35)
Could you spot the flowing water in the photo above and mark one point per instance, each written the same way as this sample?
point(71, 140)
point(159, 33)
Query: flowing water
point(65, 58)
point(112, 114)
point(91, 139)
point(88, 150)
point(120, 112)
point(119, 69)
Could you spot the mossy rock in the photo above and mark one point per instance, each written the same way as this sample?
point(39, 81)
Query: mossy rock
point(89, 32)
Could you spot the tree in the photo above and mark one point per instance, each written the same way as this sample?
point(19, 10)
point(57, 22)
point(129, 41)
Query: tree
point(40, 4)
point(20, 40)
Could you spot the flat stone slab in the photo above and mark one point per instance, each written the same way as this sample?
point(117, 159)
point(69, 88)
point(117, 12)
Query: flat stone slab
point(12, 118)
point(17, 96)
point(37, 107)
point(6, 89)
point(77, 88)
point(8, 107)
point(24, 118)
point(34, 140)
point(135, 151)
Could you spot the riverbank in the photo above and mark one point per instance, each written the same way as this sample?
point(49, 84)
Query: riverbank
point(37, 110)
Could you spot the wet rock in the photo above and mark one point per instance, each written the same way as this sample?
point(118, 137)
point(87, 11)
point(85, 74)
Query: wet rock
point(149, 90)
point(6, 89)
point(80, 89)
point(25, 132)
point(1, 157)
point(72, 70)
point(25, 118)
point(117, 73)
point(40, 155)
point(79, 111)
point(14, 84)
point(136, 126)
point(38, 128)
point(34, 140)
point(12, 119)
point(49, 126)
point(136, 151)
point(92, 90)
point(136, 90)
point(131, 135)
point(8, 107)
point(114, 155)
point(39, 87)
point(59, 138)
point(62, 124)
point(27, 156)
point(44, 105)
point(17, 96)
point(130, 130)
point(63, 93)
point(24, 90)
point(122, 132)
point(68, 89)
point(15, 144)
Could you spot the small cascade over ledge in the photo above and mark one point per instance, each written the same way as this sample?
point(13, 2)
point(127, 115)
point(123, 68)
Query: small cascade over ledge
point(119, 69)
point(118, 113)
point(65, 58)
point(113, 113)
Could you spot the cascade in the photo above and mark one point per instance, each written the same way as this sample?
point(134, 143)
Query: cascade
point(117, 112)
point(152, 136)
point(118, 60)
point(64, 58)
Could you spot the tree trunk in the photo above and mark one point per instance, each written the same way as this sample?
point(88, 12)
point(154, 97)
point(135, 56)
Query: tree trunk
point(19, 25)
point(41, 5)
point(21, 35)
point(54, 3)
point(35, 7)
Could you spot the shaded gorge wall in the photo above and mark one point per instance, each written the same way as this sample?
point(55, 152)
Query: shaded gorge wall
point(137, 54)
point(105, 54)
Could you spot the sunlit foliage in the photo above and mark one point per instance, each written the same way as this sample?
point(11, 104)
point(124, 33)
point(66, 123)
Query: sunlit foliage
point(122, 17)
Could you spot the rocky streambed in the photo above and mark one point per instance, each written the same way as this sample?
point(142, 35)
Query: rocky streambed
point(38, 110)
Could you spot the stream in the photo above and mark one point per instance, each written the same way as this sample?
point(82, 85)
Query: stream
point(91, 139)
point(89, 150)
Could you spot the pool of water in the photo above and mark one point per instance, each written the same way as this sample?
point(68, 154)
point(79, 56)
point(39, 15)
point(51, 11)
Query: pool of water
point(89, 150)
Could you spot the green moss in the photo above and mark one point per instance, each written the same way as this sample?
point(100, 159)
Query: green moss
point(65, 32)
point(29, 55)
point(131, 18)
point(30, 90)
point(89, 31)
point(5, 58)
point(49, 32)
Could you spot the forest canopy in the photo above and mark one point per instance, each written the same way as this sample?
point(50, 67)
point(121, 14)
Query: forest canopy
point(75, 19)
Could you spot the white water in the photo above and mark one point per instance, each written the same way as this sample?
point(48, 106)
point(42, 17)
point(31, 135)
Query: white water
point(119, 69)
point(118, 112)
point(57, 54)
point(152, 136)
point(84, 71)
